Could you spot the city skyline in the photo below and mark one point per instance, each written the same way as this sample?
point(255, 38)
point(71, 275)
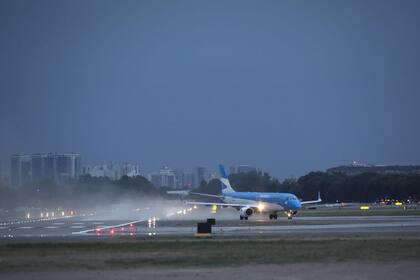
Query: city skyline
point(61, 167)
point(5, 166)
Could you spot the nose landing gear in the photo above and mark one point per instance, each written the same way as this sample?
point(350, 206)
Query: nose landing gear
point(290, 214)
point(273, 216)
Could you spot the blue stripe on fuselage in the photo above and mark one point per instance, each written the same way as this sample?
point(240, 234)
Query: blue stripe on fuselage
point(287, 200)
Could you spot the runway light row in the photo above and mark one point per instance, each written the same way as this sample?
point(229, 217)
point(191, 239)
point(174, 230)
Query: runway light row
point(181, 212)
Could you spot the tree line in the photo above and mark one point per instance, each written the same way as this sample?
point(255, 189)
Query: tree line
point(337, 187)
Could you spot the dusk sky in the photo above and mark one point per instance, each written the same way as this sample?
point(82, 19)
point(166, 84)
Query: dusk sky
point(287, 86)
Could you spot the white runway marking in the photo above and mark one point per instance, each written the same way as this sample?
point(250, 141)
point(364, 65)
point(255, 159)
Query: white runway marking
point(50, 227)
point(77, 226)
point(58, 224)
point(108, 227)
point(98, 223)
point(78, 223)
point(24, 227)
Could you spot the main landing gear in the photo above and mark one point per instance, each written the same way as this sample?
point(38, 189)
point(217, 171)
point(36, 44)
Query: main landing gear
point(243, 218)
point(273, 216)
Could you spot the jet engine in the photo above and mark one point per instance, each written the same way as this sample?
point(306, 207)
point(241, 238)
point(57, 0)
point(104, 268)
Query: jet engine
point(246, 212)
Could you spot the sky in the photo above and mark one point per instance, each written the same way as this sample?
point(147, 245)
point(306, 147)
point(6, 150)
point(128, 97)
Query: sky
point(288, 86)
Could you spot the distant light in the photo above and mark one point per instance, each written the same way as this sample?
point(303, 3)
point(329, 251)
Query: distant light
point(62, 213)
point(398, 203)
point(112, 231)
point(364, 207)
point(28, 216)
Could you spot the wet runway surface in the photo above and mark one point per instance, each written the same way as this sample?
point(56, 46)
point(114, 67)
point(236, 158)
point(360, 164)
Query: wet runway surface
point(82, 228)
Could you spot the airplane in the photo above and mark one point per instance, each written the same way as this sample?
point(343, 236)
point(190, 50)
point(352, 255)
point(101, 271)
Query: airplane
point(250, 202)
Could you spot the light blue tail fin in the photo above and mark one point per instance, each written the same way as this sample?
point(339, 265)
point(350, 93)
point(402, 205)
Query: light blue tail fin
point(225, 181)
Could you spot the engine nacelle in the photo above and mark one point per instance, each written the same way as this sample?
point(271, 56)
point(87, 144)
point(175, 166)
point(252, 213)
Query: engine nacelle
point(246, 212)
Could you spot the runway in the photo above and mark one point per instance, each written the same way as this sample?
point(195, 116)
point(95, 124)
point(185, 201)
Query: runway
point(82, 228)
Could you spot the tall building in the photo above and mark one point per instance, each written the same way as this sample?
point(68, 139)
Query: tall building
point(128, 169)
point(164, 179)
point(112, 171)
point(179, 179)
point(35, 168)
point(200, 175)
point(100, 171)
point(20, 170)
point(189, 180)
point(43, 167)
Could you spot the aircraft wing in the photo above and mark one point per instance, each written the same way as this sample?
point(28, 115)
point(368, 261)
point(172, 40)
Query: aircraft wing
point(221, 204)
point(206, 194)
point(312, 201)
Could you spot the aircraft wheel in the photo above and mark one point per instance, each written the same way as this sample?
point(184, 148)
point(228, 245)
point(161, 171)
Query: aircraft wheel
point(275, 216)
point(271, 216)
point(240, 217)
point(246, 218)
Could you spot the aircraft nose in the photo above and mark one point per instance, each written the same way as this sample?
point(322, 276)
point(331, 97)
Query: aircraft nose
point(296, 205)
